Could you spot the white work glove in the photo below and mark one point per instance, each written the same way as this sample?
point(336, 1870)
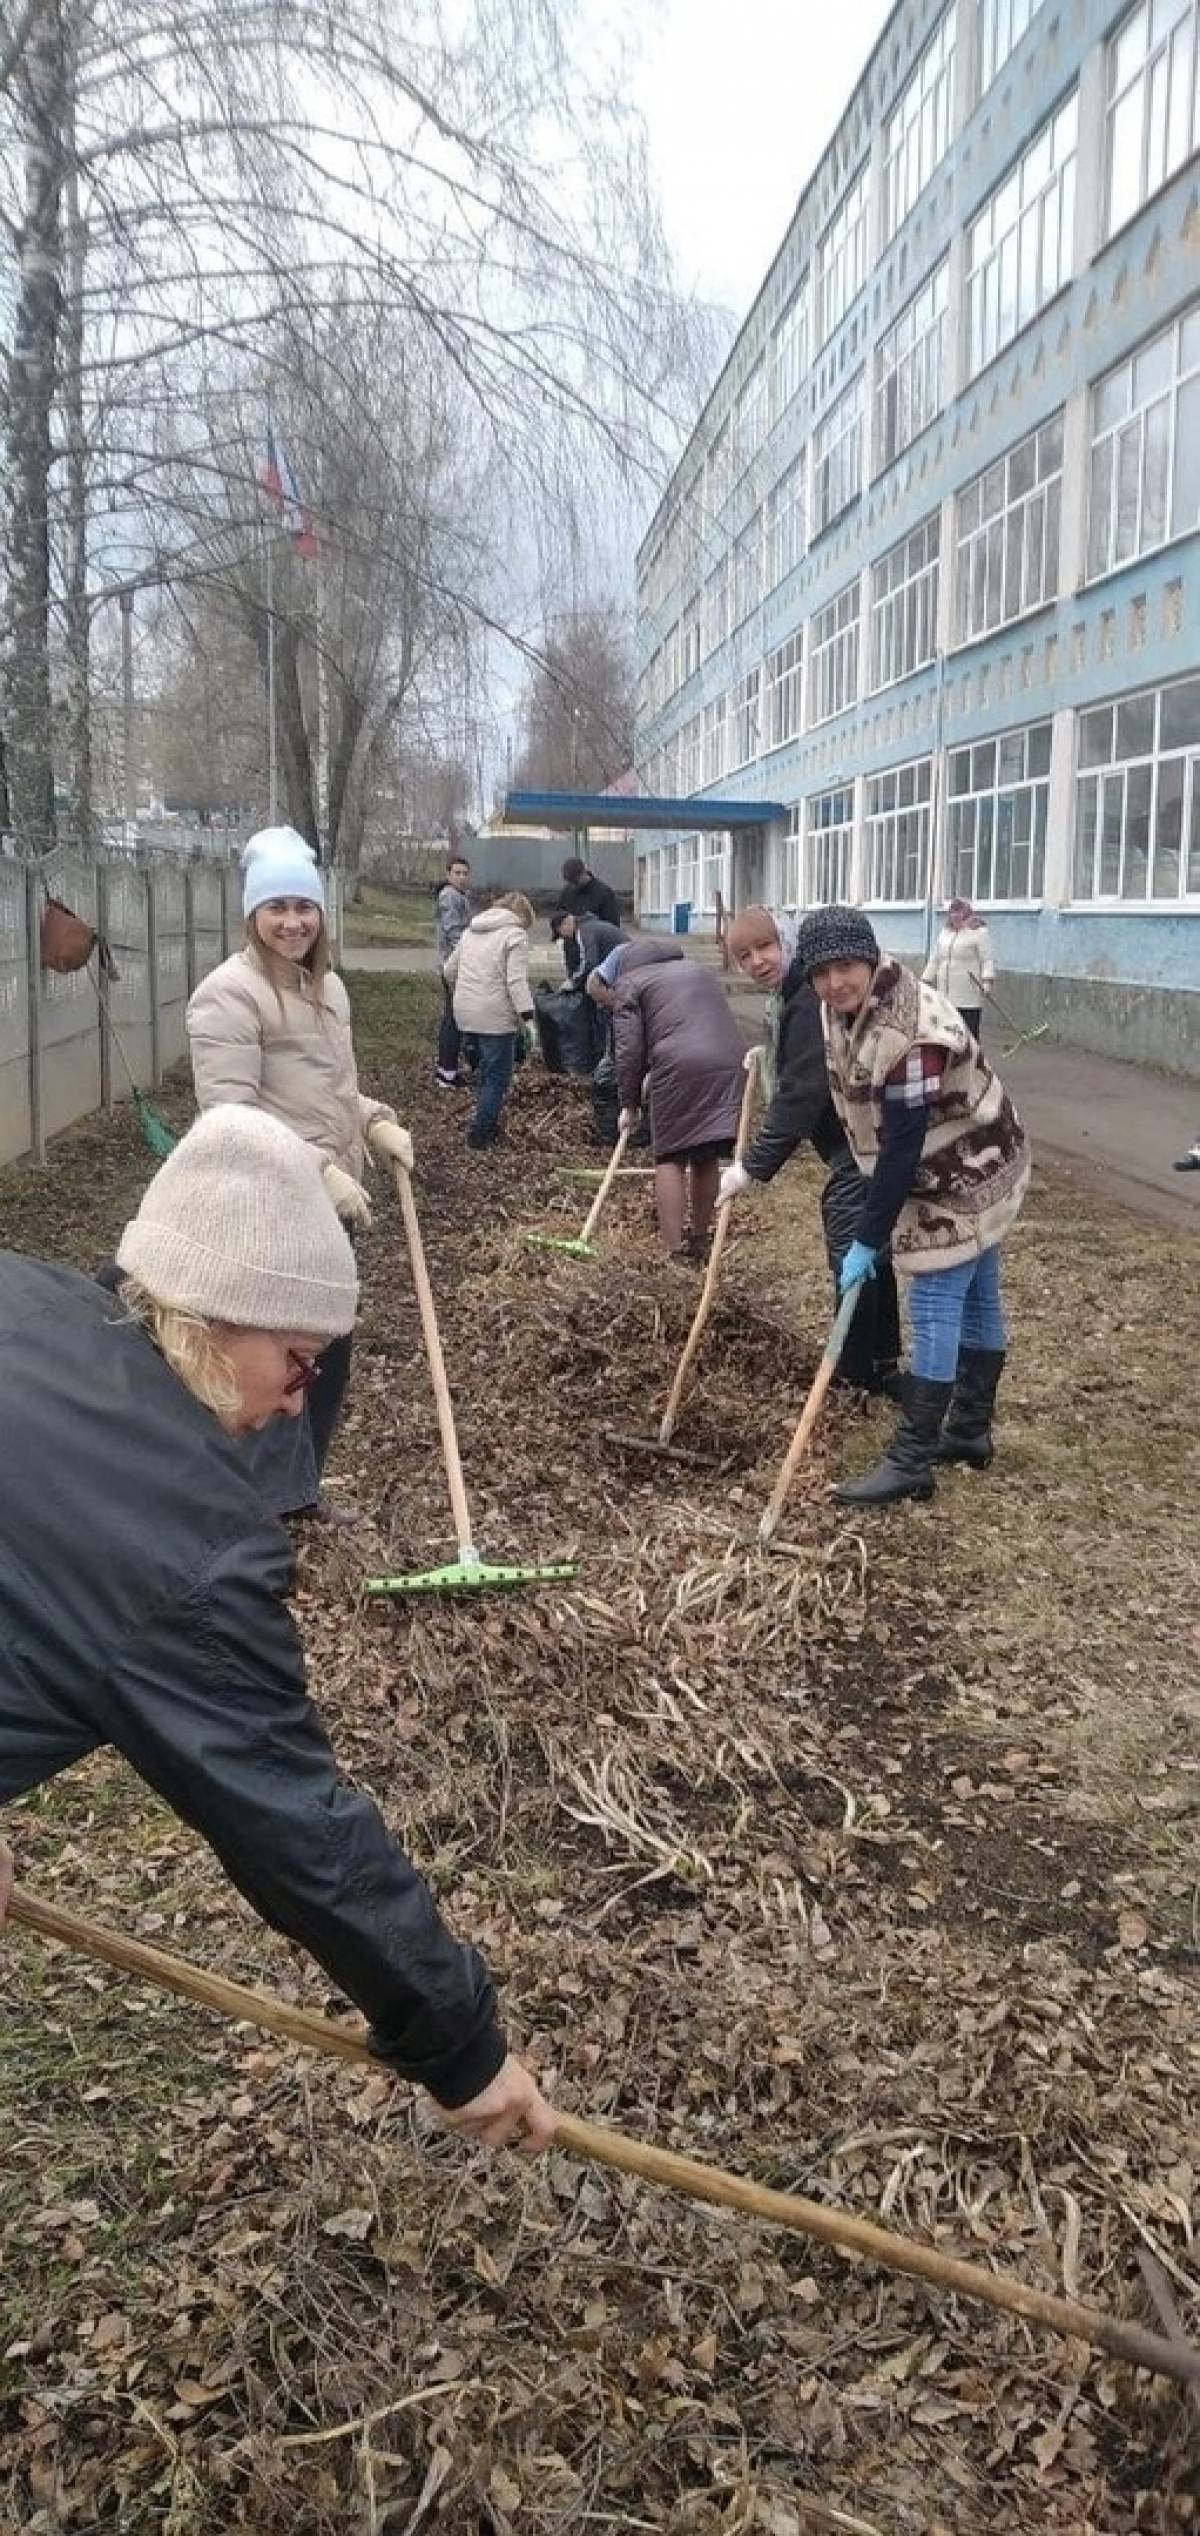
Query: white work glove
point(627, 1122)
point(734, 1179)
point(751, 1058)
point(386, 1136)
point(351, 1201)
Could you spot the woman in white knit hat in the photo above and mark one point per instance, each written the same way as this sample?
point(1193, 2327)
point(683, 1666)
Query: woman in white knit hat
point(271, 1027)
point(143, 1584)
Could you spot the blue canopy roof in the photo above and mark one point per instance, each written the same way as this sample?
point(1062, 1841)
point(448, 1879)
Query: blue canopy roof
point(632, 810)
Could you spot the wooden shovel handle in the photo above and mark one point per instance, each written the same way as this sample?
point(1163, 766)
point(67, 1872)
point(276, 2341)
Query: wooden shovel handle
point(687, 2175)
point(598, 1202)
point(712, 1272)
point(811, 1410)
point(437, 1363)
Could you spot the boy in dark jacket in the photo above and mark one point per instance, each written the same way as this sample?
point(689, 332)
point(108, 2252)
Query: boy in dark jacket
point(453, 917)
point(800, 1111)
point(584, 895)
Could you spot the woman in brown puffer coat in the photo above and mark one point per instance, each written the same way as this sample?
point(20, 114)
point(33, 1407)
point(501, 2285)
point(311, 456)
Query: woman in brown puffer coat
point(671, 1021)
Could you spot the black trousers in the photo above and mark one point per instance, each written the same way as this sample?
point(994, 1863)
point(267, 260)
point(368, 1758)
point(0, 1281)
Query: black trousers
point(872, 1343)
point(324, 1403)
point(972, 1014)
point(449, 1034)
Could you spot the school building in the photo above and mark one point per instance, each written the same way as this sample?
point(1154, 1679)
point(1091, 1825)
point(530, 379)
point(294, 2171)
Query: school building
point(926, 581)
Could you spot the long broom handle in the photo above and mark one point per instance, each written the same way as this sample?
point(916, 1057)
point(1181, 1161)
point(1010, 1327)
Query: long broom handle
point(811, 1410)
point(708, 1290)
point(599, 1201)
point(687, 2175)
point(437, 1365)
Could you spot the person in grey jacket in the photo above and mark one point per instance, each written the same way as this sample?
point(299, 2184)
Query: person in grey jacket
point(453, 917)
point(143, 1584)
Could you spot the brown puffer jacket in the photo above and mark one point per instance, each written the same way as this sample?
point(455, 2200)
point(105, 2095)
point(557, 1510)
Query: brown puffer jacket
point(672, 1021)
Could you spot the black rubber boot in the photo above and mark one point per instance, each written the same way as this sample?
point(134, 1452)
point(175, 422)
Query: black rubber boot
point(907, 1466)
point(967, 1433)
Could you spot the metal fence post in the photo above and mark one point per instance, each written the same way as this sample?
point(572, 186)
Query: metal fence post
point(152, 977)
point(33, 948)
point(103, 984)
point(189, 927)
point(225, 912)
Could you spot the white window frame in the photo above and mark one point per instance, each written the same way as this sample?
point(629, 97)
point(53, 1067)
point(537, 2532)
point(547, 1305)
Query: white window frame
point(745, 708)
point(994, 789)
point(714, 847)
point(749, 419)
point(785, 690)
point(1104, 787)
point(837, 458)
point(910, 369)
point(786, 517)
point(716, 738)
point(746, 572)
point(904, 605)
point(1020, 244)
point(789, 352)
point(919, 129)
point(1007, 540)
point(829, 846)
point(899, 834)
point(840, 264)
point(653, 901)
point(687, 883)
point(1002, 23)
point(1152, 113)
point(789, 887)
point(1138, 439)
point(833, 656)
point(714, 609)
point(691, 774)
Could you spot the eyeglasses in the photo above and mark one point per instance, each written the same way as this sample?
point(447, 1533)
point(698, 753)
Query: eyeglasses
point(307, 1370)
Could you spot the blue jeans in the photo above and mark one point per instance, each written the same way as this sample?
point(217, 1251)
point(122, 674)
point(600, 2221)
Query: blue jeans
point(951, 1308)
point(497, 1053)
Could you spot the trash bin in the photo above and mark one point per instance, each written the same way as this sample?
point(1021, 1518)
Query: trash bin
point(681, 916)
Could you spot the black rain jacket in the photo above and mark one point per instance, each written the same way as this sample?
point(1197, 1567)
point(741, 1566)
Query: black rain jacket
point(142, 1604)
point(801, 1109)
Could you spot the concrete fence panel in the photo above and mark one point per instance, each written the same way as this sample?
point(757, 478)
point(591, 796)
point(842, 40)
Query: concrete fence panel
point(16, 1134)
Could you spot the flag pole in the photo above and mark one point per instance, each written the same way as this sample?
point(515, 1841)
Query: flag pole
point(272, 748)
point(322, 704)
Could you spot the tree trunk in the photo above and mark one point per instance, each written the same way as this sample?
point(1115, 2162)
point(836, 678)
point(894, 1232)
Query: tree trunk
point(78, 614)
point(28, 710)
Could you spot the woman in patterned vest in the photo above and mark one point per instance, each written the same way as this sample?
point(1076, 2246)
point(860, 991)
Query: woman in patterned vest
point(947, 1166)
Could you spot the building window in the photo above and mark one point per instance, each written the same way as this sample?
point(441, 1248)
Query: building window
point(997, 797)
point(917, 133)
point(1002, 23)
point(716, 736)
point(904, 605)
point(786, 508)
point(689, 643)
point(1008, 535)
point(653, 900)
point(1019, 245)
point(1146, 448)
point(829, 847)
point(716, 881)
point(790, 880)
point(837, 457)
point(749, 419)
point(898, 834)
point(789, 352)
point(1137, 812)
point(691, 755)
point(910, 368)
point(746, 577)
point(687, 870)
point(785, 670)
point(745, 718)
point(833, 661)
point(1153, 102)
point(841, 264)
point(714, 614)
point(718, 477)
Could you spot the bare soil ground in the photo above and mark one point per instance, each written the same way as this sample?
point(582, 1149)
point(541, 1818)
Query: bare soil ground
point(869, 1869)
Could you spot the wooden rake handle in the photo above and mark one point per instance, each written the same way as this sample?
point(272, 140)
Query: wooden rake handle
point(687, 2175)
point(437, 1364)
point(708, 1290)
point(811, 1411)
point(600, 1200)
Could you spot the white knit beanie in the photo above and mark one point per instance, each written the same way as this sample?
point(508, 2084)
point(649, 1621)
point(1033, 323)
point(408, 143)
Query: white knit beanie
point(278, 864)
point(238, 1226)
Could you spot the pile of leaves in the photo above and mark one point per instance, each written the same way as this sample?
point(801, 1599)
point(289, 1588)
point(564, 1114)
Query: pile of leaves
point(864, 1868)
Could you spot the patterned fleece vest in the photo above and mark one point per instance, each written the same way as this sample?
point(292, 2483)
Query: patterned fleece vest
point(974, 1166)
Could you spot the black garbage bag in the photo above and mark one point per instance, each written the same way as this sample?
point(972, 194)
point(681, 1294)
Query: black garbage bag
point(570, 1028)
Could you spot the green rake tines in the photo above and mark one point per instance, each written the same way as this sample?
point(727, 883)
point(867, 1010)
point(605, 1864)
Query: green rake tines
point(581, 1246)
point(466, 1575)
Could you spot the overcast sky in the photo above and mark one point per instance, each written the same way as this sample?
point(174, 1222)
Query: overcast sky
point(739, 98)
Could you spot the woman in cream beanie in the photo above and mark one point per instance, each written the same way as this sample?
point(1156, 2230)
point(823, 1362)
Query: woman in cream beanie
point(143, 1584)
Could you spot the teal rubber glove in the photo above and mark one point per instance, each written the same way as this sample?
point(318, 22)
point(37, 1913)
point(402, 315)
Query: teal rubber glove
point(858, 1263)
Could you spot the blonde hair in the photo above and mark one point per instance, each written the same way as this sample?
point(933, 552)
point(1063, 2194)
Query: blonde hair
point(516, 901)
point(754, 929)
point(189, 1345)
point(280, 971)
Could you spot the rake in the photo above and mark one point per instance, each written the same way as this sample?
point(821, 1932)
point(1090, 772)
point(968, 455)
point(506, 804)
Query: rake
point(581, 1246)
point(468, 1573)
point(1024, 1038)
point(160, 1138)
point(1169, 2355)
point(811, 1411)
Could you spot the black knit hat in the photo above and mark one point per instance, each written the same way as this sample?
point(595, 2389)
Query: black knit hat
point(835, 933)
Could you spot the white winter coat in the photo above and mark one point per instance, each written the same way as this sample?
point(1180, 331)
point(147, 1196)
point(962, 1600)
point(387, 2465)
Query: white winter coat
point(285, 1052)
point(489, 972)
point(961, 964)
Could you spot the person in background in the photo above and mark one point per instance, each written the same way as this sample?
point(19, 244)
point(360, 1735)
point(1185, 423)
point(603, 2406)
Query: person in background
point(946, 1161)
point(1190, 1161)
point(591, 938)
point(488, 971)
point(271, 1028)
point(672, 1023)
point(584, 895)
point(762, 944)
point(453, 917)
point(961, 964)
point(143, 1586)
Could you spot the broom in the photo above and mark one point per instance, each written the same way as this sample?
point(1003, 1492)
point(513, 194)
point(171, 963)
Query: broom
point(858, 2238)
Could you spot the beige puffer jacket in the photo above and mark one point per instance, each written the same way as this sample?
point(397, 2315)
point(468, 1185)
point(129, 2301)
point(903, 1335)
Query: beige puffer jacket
point(282, 1053)
point(489, 972)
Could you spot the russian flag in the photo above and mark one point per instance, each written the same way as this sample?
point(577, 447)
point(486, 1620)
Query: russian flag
point(279, 483)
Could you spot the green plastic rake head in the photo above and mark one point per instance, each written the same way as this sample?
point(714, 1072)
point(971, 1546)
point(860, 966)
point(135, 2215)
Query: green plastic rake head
point(467, 1576)
point(578, 1248)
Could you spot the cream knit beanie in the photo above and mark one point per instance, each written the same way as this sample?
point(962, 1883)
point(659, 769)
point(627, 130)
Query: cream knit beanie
point(238, 1226)
point(278, 864)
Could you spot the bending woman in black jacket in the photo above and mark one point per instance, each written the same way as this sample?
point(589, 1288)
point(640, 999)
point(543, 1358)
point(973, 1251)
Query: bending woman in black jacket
point(143, 1583)
point(800, 1111)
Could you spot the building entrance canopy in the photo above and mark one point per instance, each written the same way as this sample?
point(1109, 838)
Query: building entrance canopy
point(570, 811)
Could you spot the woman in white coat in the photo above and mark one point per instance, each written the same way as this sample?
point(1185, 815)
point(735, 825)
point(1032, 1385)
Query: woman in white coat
point(962, 964)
